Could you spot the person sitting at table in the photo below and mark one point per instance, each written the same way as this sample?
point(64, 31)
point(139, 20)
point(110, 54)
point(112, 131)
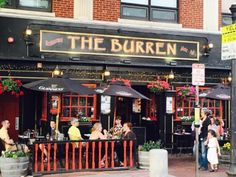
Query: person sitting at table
point(127, 134)
point(116, 131)
point(97, 134)
point(74, 132)
point(52, 135)
point(10, 145)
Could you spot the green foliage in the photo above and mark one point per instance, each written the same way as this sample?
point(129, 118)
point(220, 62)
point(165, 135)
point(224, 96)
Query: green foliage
point(84, 119)
point(13, 154)
point(2, 3)
point(151, 145)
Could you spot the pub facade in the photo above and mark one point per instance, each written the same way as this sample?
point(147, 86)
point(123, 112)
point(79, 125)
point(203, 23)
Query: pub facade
point(84, 50)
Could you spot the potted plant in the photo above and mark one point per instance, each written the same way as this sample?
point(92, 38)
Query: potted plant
point(14, 163)
point(2, 3)
point(143, 152)
point(158, 86)
point(225, 153)
point(187, 120)
point(11, 86)
point(186, 91)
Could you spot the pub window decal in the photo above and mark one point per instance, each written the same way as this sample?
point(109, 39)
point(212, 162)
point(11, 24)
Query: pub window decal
point(112, 45)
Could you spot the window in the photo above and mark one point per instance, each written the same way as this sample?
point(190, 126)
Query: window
point(226, 19)
point(151, 107)
point(37, 5)
point(74, 104)
point(185, 107)
point(152, 10)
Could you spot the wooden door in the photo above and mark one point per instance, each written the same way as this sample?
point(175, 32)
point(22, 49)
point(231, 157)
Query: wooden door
point(9, 109)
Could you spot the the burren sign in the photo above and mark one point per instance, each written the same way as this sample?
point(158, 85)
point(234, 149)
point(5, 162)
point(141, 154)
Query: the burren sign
point(113, 45)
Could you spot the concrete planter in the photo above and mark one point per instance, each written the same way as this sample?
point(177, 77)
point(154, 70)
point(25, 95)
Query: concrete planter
point(143, 159)
point(11, 167)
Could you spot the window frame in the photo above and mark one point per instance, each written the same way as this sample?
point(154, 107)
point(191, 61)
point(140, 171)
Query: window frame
point(149, 12)
point(16, 5)
point(201, 100)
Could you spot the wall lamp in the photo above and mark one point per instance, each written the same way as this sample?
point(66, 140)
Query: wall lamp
point(105, 73)
point(28, 39)
point(57, 72)
point(229, 77)
point(207, 48)
point(171, 75)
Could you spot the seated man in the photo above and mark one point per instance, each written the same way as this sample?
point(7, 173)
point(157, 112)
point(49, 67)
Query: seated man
point(9, 143)
point(52, 135)
point(74, 132)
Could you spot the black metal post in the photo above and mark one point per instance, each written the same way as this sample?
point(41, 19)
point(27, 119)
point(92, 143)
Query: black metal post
point(232, 169)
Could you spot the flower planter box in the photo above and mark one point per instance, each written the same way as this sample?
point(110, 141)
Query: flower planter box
point(143, 159)
point(11, 167)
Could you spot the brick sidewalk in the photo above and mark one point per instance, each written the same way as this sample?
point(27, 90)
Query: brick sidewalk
point(183, 166)
point(178, 166)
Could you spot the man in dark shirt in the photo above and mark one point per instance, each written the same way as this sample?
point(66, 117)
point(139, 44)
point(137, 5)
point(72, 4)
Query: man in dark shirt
point(205, 113)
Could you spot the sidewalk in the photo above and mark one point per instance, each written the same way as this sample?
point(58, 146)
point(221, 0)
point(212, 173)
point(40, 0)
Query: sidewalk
point(183, 166)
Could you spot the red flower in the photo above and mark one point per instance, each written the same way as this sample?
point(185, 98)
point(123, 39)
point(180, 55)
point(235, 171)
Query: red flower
point(18, 82)
point(5, 88)
point(13, 93)
point(21, 93)
point(158, 86)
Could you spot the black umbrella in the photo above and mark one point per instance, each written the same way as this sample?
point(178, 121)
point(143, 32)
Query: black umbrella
point(219, 92)
point(59, 85)
point(120, 89)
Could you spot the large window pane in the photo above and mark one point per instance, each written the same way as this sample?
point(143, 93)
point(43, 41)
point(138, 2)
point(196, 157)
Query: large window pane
point(143, 2)
point(44, 4)
point(164, 3)
point(134, 12)
point(164, 15)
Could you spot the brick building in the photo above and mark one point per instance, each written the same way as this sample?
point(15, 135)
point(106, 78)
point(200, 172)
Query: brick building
point(140, 41)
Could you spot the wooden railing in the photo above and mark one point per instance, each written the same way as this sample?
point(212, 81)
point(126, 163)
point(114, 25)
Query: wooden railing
point(71, 156)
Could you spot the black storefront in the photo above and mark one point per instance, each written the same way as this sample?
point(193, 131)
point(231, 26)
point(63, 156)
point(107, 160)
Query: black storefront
point(83, 51)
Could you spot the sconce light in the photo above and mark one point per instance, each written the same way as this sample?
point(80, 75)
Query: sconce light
point(57, 72)
point(171, 75)
point(39, 65)
point(28, 31)
point(105, 73)
point(229, 77)
point(207, 48)
point(28, 39)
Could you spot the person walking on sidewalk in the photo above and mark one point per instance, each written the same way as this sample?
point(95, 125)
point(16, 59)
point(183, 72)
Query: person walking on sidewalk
point(213, 150)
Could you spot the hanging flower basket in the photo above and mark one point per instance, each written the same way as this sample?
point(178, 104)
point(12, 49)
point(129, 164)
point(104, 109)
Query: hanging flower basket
point(11, 86)
point(122, 81)
point(186, 91)
point(158, 86)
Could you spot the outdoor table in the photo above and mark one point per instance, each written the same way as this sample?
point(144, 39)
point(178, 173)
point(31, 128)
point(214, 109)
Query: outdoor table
point(183, 141)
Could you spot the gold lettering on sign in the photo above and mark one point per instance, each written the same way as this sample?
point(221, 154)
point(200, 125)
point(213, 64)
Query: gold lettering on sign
point(97, 42)
point(159, 46)
point(139, 47)
point(115, 45)
point(149, 48)
point(84, 41)
point(128, 46)
point(171, 49)
point(73, 39)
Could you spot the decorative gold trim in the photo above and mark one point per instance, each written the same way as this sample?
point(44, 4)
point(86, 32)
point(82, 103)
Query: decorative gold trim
point(119, 55)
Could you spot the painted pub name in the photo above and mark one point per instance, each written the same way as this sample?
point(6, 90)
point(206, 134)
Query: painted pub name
point(112, 45)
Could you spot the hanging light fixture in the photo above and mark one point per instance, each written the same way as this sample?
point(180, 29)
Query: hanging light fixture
point(229, 77)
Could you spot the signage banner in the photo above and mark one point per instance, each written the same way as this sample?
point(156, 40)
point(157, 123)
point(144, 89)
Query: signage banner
point(114, 45)
point(228, 50)
point(198, 74)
